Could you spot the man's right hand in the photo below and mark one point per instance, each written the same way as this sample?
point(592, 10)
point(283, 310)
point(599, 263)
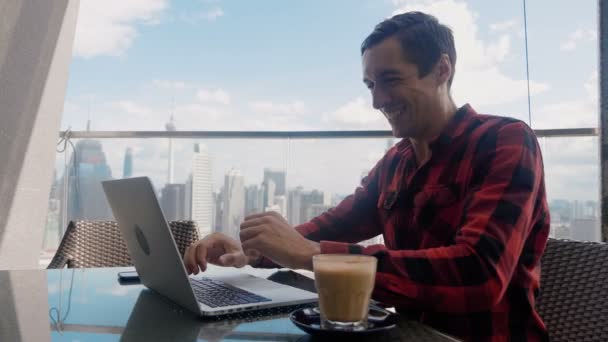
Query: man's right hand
point(217, 249)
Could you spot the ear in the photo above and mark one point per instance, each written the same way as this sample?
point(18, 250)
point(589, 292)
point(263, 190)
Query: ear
point(443, 69)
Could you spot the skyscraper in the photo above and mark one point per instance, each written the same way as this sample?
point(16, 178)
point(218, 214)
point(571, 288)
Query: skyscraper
point(279, 179)
point(87, 168)
point(310, 198)
point(201, 189)
point(170, 127)
point(269, 189)
point(280, 205)
point(302, 205)
point(254, 199)
point(234, 203)
point(127, 165)
point(294, 206)
point(173, 201)
point(218, 210)
point(315, 209)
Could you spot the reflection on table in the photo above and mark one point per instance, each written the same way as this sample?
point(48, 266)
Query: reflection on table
point(91, 305)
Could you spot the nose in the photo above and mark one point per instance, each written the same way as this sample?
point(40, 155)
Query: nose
point(379, 98)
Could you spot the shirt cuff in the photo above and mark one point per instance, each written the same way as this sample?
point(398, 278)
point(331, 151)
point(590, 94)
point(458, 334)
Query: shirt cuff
point(333, 247)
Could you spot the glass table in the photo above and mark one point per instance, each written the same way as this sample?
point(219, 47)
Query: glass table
point(91, 305)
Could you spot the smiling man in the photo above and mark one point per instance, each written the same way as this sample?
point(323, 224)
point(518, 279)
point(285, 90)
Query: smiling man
point(460, 201)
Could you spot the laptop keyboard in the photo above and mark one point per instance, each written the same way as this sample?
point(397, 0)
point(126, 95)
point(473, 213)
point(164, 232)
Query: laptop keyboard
point(215, 293)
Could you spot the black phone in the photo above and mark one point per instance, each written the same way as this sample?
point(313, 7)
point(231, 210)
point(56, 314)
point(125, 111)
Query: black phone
point(294, 279)
point(128, 277)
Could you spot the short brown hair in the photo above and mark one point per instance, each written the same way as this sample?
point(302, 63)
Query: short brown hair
point(423, 39)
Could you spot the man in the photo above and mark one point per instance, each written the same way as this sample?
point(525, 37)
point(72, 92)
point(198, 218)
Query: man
point(460, 201)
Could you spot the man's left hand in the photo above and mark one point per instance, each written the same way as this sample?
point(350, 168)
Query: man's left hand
point(269, 234)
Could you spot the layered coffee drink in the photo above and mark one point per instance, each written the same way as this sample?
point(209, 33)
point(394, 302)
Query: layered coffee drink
point(344, 284)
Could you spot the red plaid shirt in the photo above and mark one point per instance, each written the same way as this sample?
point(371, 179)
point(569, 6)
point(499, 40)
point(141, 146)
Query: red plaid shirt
point(463, 234)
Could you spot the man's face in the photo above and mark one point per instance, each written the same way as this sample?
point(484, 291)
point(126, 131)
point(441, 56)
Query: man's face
point(405, 100)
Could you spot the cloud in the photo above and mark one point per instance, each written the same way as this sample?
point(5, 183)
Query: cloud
point(134, 109)
point(213, 95)
point(503, 25)
point(212, 14)
point(108, 28)
point(269, 107)
point(571, 167)
point(581, 112)
point(576, 37)
point(167, 84)
point(206, 15)
point(357, 113)
point(478, 61)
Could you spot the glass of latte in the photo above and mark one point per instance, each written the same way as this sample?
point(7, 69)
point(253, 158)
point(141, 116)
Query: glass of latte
point(344, 283)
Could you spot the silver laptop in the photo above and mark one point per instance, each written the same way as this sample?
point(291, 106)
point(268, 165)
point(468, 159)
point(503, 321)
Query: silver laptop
point(160, 267)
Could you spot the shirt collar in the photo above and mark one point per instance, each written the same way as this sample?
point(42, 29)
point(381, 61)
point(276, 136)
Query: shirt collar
point(454, 128)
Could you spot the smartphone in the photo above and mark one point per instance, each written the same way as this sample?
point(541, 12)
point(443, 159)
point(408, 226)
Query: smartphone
point(128, 277)
point(293, 279)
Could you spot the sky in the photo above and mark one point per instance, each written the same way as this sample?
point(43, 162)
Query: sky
point(295, 65)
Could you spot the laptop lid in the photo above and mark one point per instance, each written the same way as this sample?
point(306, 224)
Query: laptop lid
point(149, 239)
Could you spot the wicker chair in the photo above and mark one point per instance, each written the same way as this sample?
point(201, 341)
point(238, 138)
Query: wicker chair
point(573, 299)
point(100, 244)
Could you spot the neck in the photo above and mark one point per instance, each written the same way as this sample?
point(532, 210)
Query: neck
point(441, 116)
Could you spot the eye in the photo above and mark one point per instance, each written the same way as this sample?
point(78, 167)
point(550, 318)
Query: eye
point(392, 81)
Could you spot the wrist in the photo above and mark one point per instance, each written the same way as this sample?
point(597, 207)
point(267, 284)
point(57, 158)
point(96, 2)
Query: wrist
point(314, 249)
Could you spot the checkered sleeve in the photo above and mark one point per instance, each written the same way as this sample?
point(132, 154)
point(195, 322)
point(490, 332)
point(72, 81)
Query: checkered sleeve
point(352, 220)
point(473, 273)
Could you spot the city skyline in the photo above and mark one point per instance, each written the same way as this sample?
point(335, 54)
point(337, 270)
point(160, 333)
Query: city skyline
point(159, 58)
point(223, 210)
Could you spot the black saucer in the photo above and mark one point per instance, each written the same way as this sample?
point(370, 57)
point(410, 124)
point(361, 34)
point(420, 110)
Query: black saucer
point(309, 320)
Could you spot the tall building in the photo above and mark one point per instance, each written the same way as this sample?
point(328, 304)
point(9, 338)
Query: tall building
point(173, 201)
point(300, 204)
point(201, 189)
point(280, 205)
point(188, 198)
point(585, 229)
point(127, 164)
point(170, 127)
point(87, 168)
point(254, 199)
point(269, 189)
point(294, 206)
point(279, 179)
point(313, 210)
point(218, 210)
point(234, 203)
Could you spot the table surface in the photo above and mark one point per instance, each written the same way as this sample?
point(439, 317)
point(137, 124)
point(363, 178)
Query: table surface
point(91, 305)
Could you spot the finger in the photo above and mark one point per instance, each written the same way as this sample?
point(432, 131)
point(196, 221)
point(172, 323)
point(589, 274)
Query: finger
point(255, 222)
point(236, 259)
point(190, 259)
point(249, 233)
point(253, 254)
point(255, 243)
point(259, 215)
point(201, 257)
point(274, 214)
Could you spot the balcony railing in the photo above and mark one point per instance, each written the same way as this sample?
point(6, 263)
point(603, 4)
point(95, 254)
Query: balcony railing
point(541, 133)
point(334, 154)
